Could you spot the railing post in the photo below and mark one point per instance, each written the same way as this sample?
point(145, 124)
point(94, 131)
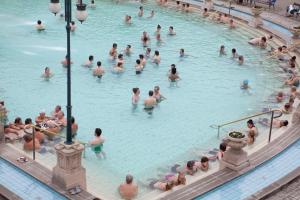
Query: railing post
point(33, 135)
point(271, 126)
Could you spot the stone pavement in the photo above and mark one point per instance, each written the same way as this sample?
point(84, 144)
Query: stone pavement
point(289, 192)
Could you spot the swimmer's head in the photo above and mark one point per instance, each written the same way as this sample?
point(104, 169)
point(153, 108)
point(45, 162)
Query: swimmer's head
point(294, 58)
point(120, 56)
point(222, 47)
point(187, 5)
point(156, 88)
point(181, 50)
point(287, 106)
point(72, 120)
point(233, 50)
point(91, 58)
point(231, 21)
point(223, 146)
point(190, 164)
point(39, 22)
point(280, 94)
point(141, 8)
point(177, 2)
point(264, 39)
point(173, 66)
point(270, 37)
point(148, 50)
point(138, 61)
point(245, 82)
point(293, 89)
point(92, 1)
point(171, 28)
point(158, 26)
point(173, 70)
point(119, 64)
point(98, 132)
point(150, 93)
point(72, 22)
point(128, 46)
point(99, 63)
point(250, 123)
point(141, 56)
point(129, 179)
point(135, 90)
point(280, 49)
point(241, 58)
point(205, 9)
point(284, 123)
point(204, 159)
point(156, 53)
point(114, 45)
point(28, 121)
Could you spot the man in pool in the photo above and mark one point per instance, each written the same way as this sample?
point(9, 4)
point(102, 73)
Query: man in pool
point(222, 50)
point(128, 50)
point(89, 62)
point(181, 53)
point(39, 26)
point(150, 102)
point(171, 31)
point(128, 190)
point(99, 70)
point(113, 51)
point(65, 62)
point(55, 112)
point(97, 143)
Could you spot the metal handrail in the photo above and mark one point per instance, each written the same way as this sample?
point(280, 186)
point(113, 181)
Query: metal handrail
point(248, 117)
point(52, 134)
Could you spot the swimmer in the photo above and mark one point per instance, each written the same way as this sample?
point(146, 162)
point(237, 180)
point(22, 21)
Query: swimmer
point(99, 70)
point(142, 59)
point(241, 60)
point(65, 62)
point(113, 51)
point(171, 31)
point(158, 38)
point(183, 7)
point(120, 59)
point(222, 50)
point(205, 13)
point(157, 95)
point(72, 26)
point(173, 76)
point(74, 127)
point(138, 67)
point(141, 11)
point(148, 53)
point(261, 42)
point(92, 4)
point(151, 14)
point(128, 50)
point(97, 143)
point(224, 19)
point(89, 62)
point(178, 4)
point(39, 26)
point(145, 38)
point(287, 108)
point(231, 24)
point(277, 123)
point(279, 97)
point(55, 112)
point(164, 186)
point(187, 9)
point(158, 29)
point(293, 80)
point(252, 127)
point(47, 73)
point(245, 85)
point(127, 19)
point(156, 57)
point(181, 53)
point(292, 60)
point(136, 96)
point(150, 102)
point(234, 53)
point(294, 92)
point(119, 68)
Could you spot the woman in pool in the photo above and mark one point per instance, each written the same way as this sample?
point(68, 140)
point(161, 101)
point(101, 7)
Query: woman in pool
point(138, 67)
point(136, 96)
point(143, 60)
point(173, 77)
point(145, 39)
point(39, 26)
point(148, 53)
point(47, 73)
point(89, 62)
point(74, 127)
point(141, 11)
point(157, 95)
point(171, 31)
point(72, 26)
point(113, 51)
point(222, 50)
point(241, 60)
point(156, 58)
point(99, 70)
point(251, 127)
point(127, 19)
point(65, 62)
point(92, 4)
point(97, 143)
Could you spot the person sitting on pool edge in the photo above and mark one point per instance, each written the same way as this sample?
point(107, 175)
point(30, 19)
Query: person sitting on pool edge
point(39, 26)
point(97, 143)
point(150, 102)
point(99, 70)
point(128, 190)
point(277, 123)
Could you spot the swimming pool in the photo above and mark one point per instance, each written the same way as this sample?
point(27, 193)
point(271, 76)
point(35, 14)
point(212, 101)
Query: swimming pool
point(24, 185)
point(136, 142)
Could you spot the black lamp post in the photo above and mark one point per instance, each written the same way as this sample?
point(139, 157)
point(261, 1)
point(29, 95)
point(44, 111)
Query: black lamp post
point(81, 15)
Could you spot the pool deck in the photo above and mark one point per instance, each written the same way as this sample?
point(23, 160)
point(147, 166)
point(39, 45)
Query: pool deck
point(217, 179)
point(38, 171)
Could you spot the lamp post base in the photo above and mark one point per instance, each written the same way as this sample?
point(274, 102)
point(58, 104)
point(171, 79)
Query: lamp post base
point(68, 171)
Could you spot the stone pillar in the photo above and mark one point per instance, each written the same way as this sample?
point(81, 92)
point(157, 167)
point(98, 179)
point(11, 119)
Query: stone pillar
point(68, 171)
point(235, 157)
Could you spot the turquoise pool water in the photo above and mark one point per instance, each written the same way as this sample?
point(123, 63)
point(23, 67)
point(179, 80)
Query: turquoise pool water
point(24, 185)
point(264, 175)
point(136, 142)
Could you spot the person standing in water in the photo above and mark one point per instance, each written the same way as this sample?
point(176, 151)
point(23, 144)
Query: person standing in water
point(97, 143)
